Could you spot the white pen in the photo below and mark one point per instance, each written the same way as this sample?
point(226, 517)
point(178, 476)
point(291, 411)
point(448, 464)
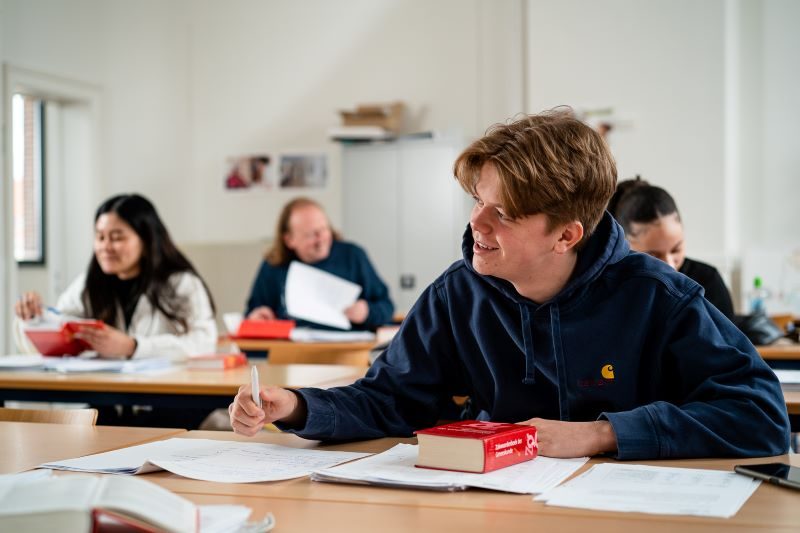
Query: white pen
point(254, 385)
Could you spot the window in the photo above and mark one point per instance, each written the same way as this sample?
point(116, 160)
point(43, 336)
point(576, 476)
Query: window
point(27, 158)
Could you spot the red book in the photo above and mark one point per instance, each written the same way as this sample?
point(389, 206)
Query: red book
point(60, 340)
point(475, 446)
point(216, 361)
point(265, 329)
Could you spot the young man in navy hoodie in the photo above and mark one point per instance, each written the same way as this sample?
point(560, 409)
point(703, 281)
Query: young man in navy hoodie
point(551, 320)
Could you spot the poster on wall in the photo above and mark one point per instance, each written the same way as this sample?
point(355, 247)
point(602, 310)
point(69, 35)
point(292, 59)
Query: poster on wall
point(303, 170)
point(249, 172)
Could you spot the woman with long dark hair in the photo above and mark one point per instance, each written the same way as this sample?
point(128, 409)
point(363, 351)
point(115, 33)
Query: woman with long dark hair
point(152, 300)
point(653, 225)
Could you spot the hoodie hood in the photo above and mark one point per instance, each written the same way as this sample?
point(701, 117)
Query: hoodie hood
point(606, 246)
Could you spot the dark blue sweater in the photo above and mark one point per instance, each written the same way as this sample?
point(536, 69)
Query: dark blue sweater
point(347, 261)
point(685, 382)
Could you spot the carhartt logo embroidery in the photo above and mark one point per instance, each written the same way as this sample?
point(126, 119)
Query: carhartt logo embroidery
point(607, 372)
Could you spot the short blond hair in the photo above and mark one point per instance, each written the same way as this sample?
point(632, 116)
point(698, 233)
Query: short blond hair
point(550, 163)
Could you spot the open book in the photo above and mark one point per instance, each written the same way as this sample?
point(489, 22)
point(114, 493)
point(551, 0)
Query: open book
point(92, 503)
point(37, 501)
point(58, 338)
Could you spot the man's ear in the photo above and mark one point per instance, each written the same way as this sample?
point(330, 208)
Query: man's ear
point(287, 240)
point(571, 235)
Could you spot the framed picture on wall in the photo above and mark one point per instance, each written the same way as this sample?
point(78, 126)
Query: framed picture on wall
point(249, 172)
point(303, 170)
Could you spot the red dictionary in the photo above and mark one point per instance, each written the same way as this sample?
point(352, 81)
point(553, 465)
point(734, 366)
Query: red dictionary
point(475, 446)
point(216, 361)
point(61, 341)
point(265, 329)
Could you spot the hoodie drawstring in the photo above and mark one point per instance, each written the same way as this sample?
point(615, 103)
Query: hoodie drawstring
point(558, 355)
point(530, 360)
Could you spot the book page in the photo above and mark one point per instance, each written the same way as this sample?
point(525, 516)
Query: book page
point(655, 490)
point(396, 466)
point(148, 502)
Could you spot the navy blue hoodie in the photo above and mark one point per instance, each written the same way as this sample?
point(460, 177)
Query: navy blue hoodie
point(628, 340)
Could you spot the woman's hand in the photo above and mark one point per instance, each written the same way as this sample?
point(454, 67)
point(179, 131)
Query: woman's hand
point(28, 306)
point(108, 342)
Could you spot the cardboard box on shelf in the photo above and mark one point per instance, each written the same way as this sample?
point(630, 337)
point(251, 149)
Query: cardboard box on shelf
point(388, 116)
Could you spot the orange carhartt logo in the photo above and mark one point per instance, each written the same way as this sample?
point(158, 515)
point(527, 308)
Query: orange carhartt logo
point(607, 372)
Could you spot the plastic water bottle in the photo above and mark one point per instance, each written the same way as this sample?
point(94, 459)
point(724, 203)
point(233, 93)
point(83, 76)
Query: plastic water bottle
point(757, 296)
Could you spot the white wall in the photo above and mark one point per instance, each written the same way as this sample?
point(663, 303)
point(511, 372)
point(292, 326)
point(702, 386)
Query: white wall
point(659, 65)
point(186, 84)
point(781, 155)
point(707, 92)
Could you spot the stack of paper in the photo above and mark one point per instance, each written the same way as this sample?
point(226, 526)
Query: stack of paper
point(209, 460)
point(654, 490)
point(22, 362)
point(324, 335)
point(395, 467)
point(790, 379)
point(79, 364)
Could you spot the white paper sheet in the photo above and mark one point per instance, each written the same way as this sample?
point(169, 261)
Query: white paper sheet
point(318, 296)
point(210, 460)
point(790, 379)
point(654, 490)
point(79, 364)
point(22, 362)
point(324, 335)
point(232, 519)
point(396, 467)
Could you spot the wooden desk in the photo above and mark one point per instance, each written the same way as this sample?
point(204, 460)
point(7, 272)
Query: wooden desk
point(780, 352)
point(289, 352)
point(25, 445)
point(304, 505)
point(792, 398)
point(178, 387)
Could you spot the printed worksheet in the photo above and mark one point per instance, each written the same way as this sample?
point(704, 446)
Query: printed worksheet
point(396, 467)
point(210, 460)
point(655, 490)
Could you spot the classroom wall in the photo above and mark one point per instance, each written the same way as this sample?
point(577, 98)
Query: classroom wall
point(186, 84)
point(659, 65)
point(706, 96)
point(781, 157)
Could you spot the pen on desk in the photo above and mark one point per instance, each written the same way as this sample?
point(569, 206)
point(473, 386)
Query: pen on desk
point(254, 385)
